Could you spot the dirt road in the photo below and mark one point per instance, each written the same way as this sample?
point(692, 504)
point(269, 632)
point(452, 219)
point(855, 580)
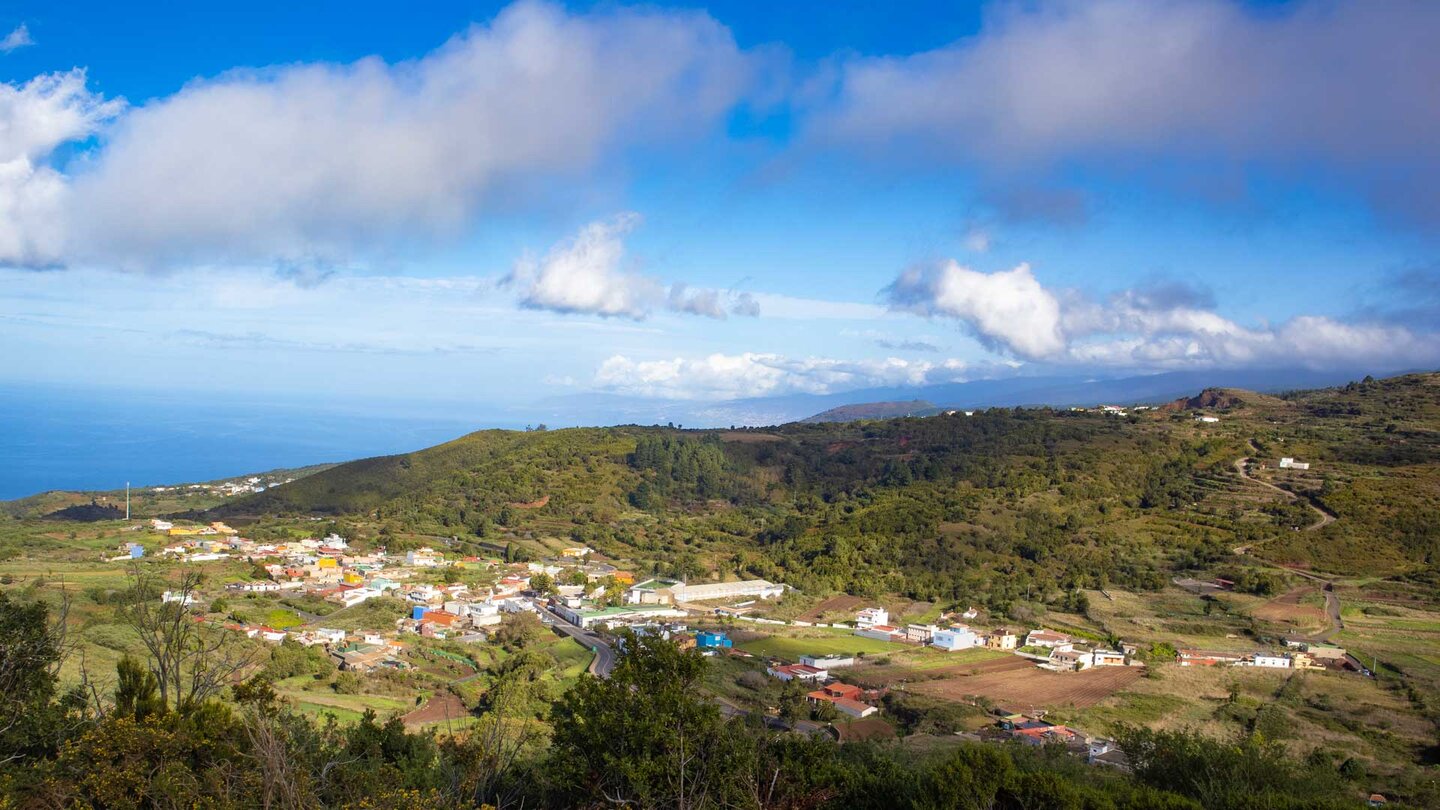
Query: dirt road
point(1322, 518)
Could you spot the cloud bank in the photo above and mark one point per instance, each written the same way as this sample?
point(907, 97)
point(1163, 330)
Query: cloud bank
point(1157, 326)
point(310, 160)
point(1348, 86)
point(750, 374)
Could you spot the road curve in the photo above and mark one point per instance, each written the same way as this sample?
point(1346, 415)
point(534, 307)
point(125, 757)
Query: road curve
point(1324, 518)
point(604, 661)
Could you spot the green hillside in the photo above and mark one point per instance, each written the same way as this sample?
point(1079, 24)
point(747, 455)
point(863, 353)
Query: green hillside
point(936, 507)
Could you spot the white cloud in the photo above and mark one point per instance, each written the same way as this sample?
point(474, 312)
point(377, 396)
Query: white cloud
point(1007, 310)
point(588, 275)
point(18, 38)
point(1344, 84)
point(324, 160)
point(1164, 326)
point(734, 376)
point(35, 118)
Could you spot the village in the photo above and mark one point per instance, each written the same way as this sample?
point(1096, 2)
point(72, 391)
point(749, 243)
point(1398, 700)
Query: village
point(578, 593)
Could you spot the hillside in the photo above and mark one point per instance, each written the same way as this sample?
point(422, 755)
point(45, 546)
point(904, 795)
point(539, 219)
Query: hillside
point(873, 410)
point(85, 505)
point(932, 506)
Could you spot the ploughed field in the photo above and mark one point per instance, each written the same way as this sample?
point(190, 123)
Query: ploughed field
point(1019, 684)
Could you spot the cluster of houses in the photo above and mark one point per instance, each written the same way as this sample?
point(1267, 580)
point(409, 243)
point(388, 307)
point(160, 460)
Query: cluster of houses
point(239, 486)
point(847, 699)
point(874, 622)
point(1029, 730)
point(1299, 655)
point(1065, 654)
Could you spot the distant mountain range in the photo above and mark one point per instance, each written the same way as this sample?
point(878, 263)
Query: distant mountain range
point(873, 403)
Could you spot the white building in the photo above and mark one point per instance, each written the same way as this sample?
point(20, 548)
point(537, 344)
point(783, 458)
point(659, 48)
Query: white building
point(1208, 419)
point(1107, 658)
point(870, 617)
point(828, 662)
point(1288, 463)
point(798, 672)
point(1047, 638)
point(184, 599)
point(354, 597)
point(1071, 659)
point(424, 558)
point(757, 588)
point(954, 638)
point(1268, 660)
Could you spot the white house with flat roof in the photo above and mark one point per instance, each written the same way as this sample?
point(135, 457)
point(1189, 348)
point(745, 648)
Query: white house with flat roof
point(958, 637)
point(870, 617)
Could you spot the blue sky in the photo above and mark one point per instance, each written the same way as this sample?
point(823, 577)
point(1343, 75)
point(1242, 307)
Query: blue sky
point(500, 203)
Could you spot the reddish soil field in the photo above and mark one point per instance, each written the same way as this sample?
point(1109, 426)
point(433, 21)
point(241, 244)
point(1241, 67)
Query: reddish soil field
point(544, 499)
point(870, 728)
point(438, 709)
point(1287, 608)
point(847, 604)
point(1031, 687)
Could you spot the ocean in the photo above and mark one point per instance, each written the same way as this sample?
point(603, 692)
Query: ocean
point(54, 437)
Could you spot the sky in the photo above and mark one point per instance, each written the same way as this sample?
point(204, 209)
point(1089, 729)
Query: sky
point(509, 203)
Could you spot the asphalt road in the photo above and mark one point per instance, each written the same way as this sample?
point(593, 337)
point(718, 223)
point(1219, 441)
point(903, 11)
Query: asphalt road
point(604, 661)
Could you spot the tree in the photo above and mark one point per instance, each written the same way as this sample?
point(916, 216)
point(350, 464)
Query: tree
point(137, 691)
point(645, 736)
point(792, 702)
point(191, 661)
point(542, 583)
point(32, 647)
point(517, 630)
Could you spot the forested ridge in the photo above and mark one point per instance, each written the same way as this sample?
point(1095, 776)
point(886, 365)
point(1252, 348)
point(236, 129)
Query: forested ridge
point(1001, 504)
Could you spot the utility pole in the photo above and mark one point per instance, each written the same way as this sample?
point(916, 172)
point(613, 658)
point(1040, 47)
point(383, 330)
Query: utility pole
point(127, 500)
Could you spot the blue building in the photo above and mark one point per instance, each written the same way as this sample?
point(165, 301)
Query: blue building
point(417, 613)
point(136, 550)
point(712, 638)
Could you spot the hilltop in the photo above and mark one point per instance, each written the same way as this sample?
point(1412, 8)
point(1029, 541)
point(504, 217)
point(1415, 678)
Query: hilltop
point(873, 410)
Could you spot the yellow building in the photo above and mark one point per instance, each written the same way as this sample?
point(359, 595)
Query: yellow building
point(184, 531)
point(326, 562)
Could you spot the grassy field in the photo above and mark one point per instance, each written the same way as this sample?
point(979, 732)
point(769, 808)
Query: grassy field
point(791, 643)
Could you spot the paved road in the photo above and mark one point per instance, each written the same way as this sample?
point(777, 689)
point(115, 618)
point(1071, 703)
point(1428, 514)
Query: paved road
point(604, 661)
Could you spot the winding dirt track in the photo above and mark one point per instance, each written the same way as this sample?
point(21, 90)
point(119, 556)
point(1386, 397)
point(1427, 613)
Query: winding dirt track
point(1332, 602)
point(1323, 518)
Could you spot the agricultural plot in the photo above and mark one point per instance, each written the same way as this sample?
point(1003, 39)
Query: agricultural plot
point(1297, 609)
point(1029, 688)
point(795, 642)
